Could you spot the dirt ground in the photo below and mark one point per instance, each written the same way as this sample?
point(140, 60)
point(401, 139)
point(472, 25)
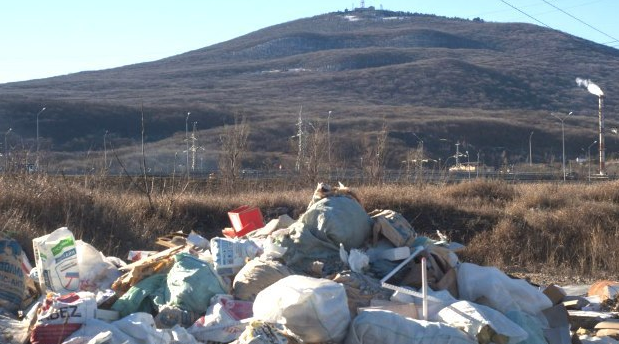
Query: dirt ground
point(544, 277)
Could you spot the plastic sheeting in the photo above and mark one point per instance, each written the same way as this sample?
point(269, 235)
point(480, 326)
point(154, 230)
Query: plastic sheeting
point(371, 327)
point(499, 291)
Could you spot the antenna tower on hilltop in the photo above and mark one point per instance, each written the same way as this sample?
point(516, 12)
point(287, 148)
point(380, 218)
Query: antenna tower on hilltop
point(362, 3)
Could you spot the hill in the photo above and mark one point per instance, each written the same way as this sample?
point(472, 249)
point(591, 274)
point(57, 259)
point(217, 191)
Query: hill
point(430, 79)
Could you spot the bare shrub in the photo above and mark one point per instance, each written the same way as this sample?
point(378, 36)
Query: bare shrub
point(489, 191)
point(233, 147)
point(545, 226)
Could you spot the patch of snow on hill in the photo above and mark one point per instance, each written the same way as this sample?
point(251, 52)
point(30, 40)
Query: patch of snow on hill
point(352, 18)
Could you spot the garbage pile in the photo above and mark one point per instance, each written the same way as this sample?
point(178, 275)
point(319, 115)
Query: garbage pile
point(337, 274)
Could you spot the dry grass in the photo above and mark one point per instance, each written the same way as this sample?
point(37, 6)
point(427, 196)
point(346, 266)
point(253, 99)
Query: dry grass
point(541, 227)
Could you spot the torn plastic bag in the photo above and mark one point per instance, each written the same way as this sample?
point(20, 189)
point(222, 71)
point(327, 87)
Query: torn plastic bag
point(326, 224)
point(137, 328)
point(357, 260)
point(14, 331)
point(483, 323)
point(223, 321)
point(376, 326)
point(96, 273)
point(315, 310)
point(56, 260)
point(491, 287)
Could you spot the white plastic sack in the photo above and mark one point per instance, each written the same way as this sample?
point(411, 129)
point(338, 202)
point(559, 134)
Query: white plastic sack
point(256, 275)
point(473, 318)
point(384, 327)
point(95, 272)
point(61, 315)
point(137, 328)
point(315, 310)
point(499, 291)
point(222, 322)
point(272, 249)
point(56, 259)
point(13, 331)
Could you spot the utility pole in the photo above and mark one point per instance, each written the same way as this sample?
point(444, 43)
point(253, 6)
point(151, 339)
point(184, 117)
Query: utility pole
point(105, 151)
point(37, 157)
point(556, 115)
point(193, 147)
point(300, 129)
point(187, 144)
point(329, 140)
point(530, 155)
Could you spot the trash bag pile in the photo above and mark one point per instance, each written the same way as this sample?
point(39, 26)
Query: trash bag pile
point(337, 274)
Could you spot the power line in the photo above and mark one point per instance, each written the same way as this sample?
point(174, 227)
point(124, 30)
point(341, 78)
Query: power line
point(573, 17)
point(526, 14)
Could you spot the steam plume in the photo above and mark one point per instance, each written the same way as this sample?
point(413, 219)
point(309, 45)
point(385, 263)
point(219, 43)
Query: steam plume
point(591, 87)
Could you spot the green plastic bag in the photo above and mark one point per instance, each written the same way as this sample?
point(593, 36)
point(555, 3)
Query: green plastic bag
point(146, 296)
point(192, 282)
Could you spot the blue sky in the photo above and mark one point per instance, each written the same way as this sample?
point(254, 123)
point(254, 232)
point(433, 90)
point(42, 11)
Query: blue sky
point(43, 38)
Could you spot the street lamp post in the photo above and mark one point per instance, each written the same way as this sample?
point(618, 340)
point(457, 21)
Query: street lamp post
point(562, 118)
point(468, 164)
point(530, 155)
point(187, 143)
point(37, 158)
point(6, 151)
point(105, 151)
point(329, 140)
point(589, 157)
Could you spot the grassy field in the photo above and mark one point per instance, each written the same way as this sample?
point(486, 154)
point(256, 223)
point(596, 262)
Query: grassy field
point(568, 229)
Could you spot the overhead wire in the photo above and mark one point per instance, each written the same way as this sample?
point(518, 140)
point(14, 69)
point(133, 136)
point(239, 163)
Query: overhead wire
point(612, 43)
point(526, 14)
point(583, 22)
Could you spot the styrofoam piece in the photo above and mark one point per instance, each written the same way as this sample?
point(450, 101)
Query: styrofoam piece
point(397, 253)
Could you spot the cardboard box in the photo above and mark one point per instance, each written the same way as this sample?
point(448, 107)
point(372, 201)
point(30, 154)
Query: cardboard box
point(555, 294)
point(245, 219)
